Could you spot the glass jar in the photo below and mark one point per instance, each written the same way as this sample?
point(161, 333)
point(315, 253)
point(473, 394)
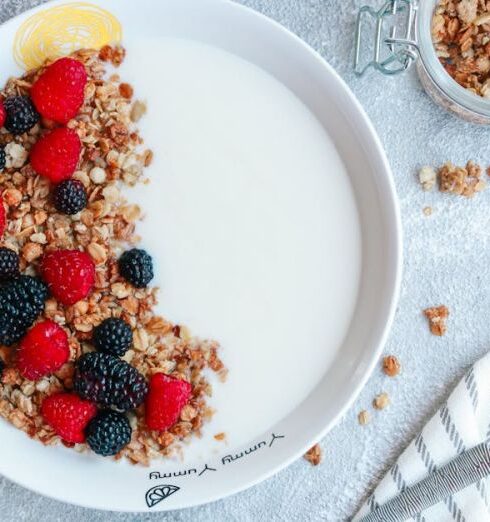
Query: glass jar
point(416, 45)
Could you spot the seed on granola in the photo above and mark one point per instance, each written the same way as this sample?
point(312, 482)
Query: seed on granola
point(381, 401)
point(391, 365)
point(437, 316)
point(314, 455)
point(97, 175)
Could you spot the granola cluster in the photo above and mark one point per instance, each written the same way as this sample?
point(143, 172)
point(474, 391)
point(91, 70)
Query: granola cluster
point(113, 155)
point(437, 316)
point(461, 36)
point(391, 365)
point(462, 181)
point(314, 455)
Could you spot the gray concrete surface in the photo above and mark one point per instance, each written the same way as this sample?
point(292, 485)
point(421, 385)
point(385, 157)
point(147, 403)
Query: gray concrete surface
point(446, 261)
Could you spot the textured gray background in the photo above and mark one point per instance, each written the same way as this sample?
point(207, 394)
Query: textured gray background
point(446, 261)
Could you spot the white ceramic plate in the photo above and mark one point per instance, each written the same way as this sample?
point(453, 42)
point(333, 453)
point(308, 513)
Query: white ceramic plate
point(273, 220)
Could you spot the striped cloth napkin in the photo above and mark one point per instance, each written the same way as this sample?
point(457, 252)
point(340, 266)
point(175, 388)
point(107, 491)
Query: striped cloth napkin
point(461, 423)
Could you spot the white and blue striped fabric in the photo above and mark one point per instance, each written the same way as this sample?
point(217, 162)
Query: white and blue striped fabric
point(461, 423)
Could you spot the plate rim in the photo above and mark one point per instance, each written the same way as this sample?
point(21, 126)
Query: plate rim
point(392, 209)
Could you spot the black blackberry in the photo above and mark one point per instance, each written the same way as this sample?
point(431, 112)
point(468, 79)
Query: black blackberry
point(136, 266)
point(27, 289)
point(109, 381)
point(70, 197)
point(21, 114)
point(113, 336)
point(12, 328)
point(3, 158)
point(9, 264)
point(21, 302)
point(108, 432)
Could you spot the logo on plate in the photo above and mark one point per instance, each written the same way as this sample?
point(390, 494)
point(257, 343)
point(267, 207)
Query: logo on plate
point(60, 30)
point(158, 493)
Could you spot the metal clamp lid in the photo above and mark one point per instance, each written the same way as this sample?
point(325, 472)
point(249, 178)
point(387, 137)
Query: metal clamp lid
point(391, 54)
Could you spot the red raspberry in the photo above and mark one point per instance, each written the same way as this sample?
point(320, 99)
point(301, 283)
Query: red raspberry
point(68, 415)
point(3, 217)
point(56, 154)
point(43, 350)
point(70, 274)
point(165, 400)
point(59, 92)
point(3, 113)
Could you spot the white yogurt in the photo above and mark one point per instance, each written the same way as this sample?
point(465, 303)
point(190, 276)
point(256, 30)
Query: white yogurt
point(252, 222)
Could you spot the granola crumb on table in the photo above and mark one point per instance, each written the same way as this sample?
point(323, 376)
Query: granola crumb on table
point(462, 181)
point(391, 365)
point(112, 154)
point(427, 177)
point(363, 417)
point(314, 455)
point(437, 316)
point(381, 401)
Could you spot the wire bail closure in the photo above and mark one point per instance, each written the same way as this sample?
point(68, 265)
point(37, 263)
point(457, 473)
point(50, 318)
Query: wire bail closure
point(391, 54)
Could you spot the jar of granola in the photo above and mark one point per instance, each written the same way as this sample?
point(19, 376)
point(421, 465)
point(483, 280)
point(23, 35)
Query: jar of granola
point(449, 40)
